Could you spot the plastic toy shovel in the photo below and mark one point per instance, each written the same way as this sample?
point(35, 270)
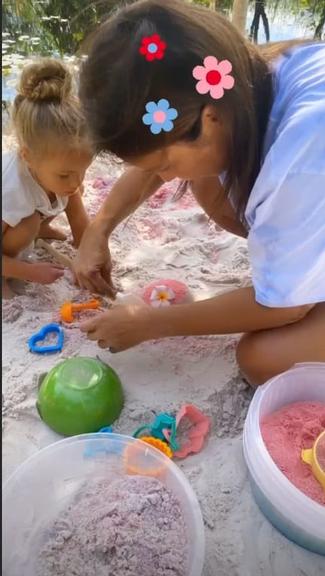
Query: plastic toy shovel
point(315, 457)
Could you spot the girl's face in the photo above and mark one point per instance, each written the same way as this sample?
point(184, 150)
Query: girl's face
point(58, 172)
point(190, 160)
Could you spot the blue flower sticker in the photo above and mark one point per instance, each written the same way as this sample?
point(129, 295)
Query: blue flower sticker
point(159, 116)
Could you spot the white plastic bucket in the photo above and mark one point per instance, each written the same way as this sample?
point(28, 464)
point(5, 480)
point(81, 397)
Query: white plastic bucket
point(43, 485)
point(292, 512)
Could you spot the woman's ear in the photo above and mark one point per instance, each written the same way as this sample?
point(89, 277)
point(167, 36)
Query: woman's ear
point(210, 122)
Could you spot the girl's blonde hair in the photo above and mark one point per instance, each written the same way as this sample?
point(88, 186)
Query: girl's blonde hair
point(46, 110)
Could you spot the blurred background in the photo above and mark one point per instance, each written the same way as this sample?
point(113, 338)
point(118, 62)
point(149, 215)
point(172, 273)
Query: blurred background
point(58, 27)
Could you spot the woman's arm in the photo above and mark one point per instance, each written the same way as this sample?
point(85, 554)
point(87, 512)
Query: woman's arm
point(230, 313)
point(210, 194)
point(77, 217)
point(92, 264)
point(130, 191)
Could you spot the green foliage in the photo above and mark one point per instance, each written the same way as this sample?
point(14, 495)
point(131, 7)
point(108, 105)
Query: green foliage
point(222, 5)
point(59, 26)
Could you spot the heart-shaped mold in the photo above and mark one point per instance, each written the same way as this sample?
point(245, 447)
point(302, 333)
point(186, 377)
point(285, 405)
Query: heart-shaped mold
point(40, 337)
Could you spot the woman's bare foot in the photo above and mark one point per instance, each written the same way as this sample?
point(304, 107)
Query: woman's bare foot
point(48, 233)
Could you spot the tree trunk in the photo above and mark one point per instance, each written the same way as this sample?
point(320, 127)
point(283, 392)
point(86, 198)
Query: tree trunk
point(320, 25)
point(265, 24)
point(259, 13)
point(239, 14)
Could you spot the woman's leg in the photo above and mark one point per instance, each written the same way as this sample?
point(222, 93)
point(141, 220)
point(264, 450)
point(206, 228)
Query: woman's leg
point(264, 354)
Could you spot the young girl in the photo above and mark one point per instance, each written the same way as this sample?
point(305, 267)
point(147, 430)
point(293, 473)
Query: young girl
point(175, 91)
point(43, 177)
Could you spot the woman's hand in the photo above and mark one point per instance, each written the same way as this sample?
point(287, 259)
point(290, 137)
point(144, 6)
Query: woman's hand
point(92, 265)
point(119, 328)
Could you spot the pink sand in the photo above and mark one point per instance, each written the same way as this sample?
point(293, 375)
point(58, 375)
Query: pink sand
point(285, 433)
point(180, 290)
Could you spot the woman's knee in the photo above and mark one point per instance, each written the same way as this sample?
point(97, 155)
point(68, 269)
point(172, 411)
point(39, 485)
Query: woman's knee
point(254, 358)
point(20, 237)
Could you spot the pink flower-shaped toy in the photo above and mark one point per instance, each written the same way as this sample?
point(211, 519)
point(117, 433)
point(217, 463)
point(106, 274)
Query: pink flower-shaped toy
point(199, 426)
point(165, 292)
point(213, 77)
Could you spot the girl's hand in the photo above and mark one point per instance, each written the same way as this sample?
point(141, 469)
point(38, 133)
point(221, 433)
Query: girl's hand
point(92, 265)
point(44, 273)
point(120, 328)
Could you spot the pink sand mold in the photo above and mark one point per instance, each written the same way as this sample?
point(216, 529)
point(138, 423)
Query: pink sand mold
point(165, 427)
point(166, 292)
point(199, 426)
point(285, 433)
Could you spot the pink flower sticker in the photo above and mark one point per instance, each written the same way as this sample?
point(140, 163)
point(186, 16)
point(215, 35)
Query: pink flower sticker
point(213, 77)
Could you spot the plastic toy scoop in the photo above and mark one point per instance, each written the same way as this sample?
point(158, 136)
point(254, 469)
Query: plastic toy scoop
point(68, 309)
point(315, 457)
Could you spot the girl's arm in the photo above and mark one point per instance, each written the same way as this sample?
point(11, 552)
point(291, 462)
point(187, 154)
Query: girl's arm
point(13, 268)
point(41, 272)
point(77, 217)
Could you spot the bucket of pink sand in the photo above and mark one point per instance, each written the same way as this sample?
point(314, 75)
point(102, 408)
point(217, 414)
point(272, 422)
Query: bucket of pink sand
point(99, 504)
point(285, 417)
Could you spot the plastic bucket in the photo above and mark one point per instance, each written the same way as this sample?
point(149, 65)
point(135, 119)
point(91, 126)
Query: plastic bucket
point(292, 512)
point(44, 485)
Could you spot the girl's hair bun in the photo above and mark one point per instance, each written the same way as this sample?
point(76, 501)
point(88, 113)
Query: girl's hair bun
point(45, 80)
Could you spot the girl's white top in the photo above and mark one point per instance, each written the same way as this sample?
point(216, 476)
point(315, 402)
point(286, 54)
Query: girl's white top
point(22, 195)
point(286, 208)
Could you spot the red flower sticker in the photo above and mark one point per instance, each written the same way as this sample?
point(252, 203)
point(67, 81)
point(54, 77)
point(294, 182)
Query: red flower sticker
point(153, 47)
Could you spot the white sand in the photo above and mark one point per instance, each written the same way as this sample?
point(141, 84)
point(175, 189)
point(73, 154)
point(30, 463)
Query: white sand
point(164, 239)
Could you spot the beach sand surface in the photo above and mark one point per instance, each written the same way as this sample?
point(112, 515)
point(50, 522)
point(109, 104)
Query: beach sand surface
point(173, 239)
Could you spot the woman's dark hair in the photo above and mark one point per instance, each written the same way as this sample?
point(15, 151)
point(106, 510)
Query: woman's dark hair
point(117, 81)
